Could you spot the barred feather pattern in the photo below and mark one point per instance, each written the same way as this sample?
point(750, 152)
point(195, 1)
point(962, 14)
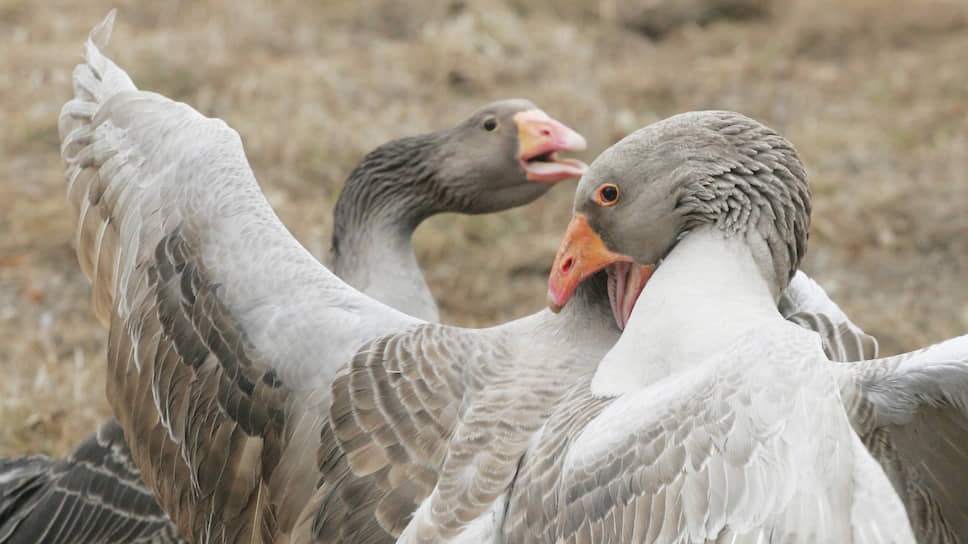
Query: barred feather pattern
point(712, 462)
point(911, 411)
point(428, 427)
point(95, 496)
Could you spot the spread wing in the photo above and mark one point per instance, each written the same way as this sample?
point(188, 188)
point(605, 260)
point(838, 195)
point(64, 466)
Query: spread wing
point(805, 303)
point(428, 428)
point(397, 417)
point(710, 454)
point(224, 331)
point(911, 411)
point(94, 496)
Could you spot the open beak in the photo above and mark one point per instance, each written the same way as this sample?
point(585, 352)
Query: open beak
point(582, 253)
point(539, 139)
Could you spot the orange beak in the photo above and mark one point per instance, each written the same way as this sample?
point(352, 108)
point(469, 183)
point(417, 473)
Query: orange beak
point(582, 253)
point(539, 139)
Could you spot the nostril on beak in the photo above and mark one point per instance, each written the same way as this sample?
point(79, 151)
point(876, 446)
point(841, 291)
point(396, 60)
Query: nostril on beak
point(545, 132)
point(566, 266)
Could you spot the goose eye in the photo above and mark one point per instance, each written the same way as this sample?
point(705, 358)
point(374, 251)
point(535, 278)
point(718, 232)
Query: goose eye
point(607, 195)
point(490, 123)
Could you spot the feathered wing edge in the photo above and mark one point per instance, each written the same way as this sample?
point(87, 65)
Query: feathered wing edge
point(911, 411)
point(94, 496)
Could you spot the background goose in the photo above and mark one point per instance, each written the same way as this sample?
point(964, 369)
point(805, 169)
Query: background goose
point(712, 418)
point(95, 495)
point(502, 156)
point(63, 500)
point(429, 425)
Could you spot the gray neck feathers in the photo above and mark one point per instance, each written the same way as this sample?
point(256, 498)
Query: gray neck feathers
point(589, 308)
point(757, 188)
point(385, 198)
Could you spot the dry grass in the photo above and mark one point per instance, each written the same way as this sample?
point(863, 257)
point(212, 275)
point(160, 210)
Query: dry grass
point(874, 98)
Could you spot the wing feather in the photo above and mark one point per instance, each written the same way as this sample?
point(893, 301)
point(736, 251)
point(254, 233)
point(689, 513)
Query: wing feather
point(805, 303)
point(94, 496)
point(393, 411)
point(911, 411)
point(709, 455)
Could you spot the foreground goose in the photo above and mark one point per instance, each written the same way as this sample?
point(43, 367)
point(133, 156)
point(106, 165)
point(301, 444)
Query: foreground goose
point(502, 156)
point(434, 421)
point(712, 419)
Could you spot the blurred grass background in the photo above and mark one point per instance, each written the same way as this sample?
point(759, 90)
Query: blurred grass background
point(874, 93)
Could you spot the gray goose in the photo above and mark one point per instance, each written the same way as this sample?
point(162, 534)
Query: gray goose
point(428, 426)
point(383, 200)
point(712, 419)
point(502, 156)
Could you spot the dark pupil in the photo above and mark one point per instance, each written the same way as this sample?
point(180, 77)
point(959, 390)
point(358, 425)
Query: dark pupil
point(490, 124)
point(609, 194)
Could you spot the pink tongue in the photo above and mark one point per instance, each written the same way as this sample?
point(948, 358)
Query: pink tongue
point(625, 281)
point(617, 274)
point(633, 287)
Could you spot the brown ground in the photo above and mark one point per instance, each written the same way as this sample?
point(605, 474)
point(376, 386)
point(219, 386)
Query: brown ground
point(873, 93)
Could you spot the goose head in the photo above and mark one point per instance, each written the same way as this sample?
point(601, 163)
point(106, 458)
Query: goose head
point(505, 155)
point(646, 193)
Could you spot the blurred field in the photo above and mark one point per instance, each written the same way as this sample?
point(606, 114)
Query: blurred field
point(873, 93)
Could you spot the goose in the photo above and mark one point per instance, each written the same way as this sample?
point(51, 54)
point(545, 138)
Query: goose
point(504, 155)
point(428, 425)
point(712, 419)
point(376, 209)
point(225, 333)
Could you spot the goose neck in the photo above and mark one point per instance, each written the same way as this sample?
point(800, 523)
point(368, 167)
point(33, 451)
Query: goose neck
point(383, 201)
point(708, 290)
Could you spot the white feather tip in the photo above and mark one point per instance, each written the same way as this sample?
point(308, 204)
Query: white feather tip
point(102, 32)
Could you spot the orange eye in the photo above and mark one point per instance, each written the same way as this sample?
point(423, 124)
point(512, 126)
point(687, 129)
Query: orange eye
point(607, 195)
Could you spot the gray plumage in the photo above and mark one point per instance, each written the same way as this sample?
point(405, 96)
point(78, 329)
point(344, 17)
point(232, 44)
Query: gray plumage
point(805, 303)
point(94, 496)
point(911, 411)
point(441, 415)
